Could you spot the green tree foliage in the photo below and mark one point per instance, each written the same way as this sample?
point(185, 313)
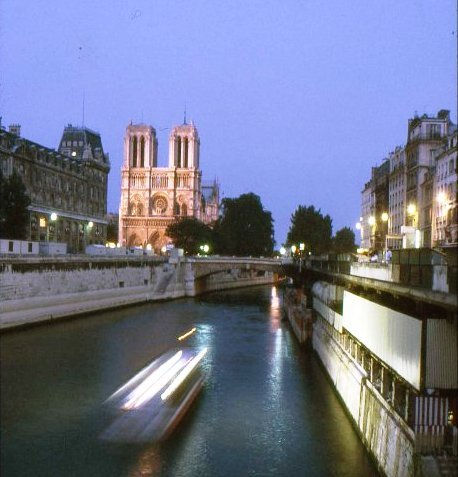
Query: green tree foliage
point(189, 234)
point(344, 241)
point(245, 228)
point(112, 232)
point(14, 216)
point(308, 226)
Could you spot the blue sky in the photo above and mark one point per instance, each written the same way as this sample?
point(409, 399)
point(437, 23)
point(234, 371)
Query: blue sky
point(293, 100)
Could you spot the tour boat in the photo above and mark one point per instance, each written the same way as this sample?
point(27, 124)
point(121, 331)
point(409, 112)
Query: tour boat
point(150, 405)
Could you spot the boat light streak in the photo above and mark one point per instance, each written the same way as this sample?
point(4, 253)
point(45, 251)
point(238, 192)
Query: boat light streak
point(183, 374)
point(189, 333)
point(138, 376)
point(154, 382)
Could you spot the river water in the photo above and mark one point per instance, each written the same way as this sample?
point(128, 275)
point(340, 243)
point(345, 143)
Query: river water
point(267, 408)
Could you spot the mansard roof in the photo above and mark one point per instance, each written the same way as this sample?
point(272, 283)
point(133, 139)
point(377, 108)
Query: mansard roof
point(81, 140)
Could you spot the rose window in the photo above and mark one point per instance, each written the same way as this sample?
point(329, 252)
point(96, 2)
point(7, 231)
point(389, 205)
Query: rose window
point(160, 206)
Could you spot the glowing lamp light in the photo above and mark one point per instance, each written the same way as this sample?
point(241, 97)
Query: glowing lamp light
point(371, 220)
point(164, 249)
point(42, 222)
point(74, 154)
point(358, 225)
point(293, 248)
point(441, 198)
point(385, 217)
point(53, 216)
point(90, 224)
point(302, 247)
point(206, 248)
point(282, 250)
point(411, 209)
point(184, 336)
point(118, 245)
point(149, 247)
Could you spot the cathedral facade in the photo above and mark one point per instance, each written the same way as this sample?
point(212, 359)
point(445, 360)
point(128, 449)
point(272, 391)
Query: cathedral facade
point(153, 197)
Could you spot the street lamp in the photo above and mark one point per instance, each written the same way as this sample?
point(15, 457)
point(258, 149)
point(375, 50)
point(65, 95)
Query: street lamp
point(411, 209)
point(293, 249)
point(282, 250)
point(371, 220)
point(441, 198)
point(302, 247)
point(204, 248)
point(53, 216)
point(385, 217)
point(358, 225)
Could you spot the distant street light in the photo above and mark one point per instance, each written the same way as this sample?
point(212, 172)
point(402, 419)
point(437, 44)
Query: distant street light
point(358, 225)
point(371, 220)
point(385, 217)
point(293, 249)
point(302, 247)
point(411, 209)
point(282, 250)
point(53, 216)
point(90, 224)
point(441, 198)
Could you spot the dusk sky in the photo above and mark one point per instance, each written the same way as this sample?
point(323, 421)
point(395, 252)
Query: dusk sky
point(293, 100)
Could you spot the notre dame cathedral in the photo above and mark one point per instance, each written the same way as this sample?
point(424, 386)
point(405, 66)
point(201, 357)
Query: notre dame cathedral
point(153, 197)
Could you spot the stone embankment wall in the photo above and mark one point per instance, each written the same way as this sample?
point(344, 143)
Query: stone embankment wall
point(38, 289)
point(386, 436)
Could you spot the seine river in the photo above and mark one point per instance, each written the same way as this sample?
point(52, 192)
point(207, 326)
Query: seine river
point(267, 408)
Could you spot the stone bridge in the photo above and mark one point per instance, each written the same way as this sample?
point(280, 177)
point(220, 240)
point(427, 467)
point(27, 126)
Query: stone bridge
point(204, 274)
point(204, 266)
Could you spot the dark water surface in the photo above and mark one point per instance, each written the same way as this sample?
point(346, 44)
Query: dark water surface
point(266, 409)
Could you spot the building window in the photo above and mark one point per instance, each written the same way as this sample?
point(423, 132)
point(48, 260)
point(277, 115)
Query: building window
point(10, 246)
point(142, 152)
point(179, 152)
point(134, 152)
point(42, 222)
point(185, 152)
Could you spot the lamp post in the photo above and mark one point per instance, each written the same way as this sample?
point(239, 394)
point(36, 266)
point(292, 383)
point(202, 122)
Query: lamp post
point(301, 249)
point(385, 218)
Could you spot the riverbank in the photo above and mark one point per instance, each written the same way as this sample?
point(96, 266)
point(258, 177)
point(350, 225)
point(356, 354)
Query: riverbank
point(387, 438)
point(46, 290)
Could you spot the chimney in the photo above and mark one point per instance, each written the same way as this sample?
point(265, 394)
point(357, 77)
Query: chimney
point(15, 129)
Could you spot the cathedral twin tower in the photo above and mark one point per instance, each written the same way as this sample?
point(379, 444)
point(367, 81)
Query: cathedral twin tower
point(153, 197)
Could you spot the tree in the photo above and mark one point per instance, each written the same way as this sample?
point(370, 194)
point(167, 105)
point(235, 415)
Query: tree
point(344, 241)
point(189, 234)
point(308, 226)
point(244, 228)
point(112, 231)
point(14, 215)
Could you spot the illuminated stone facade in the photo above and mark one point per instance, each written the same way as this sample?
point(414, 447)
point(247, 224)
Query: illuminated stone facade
point(422, 189)
point(67, 188)
point(153, 197)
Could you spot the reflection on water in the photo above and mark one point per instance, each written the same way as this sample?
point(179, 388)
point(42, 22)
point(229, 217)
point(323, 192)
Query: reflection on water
point(266, 408)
